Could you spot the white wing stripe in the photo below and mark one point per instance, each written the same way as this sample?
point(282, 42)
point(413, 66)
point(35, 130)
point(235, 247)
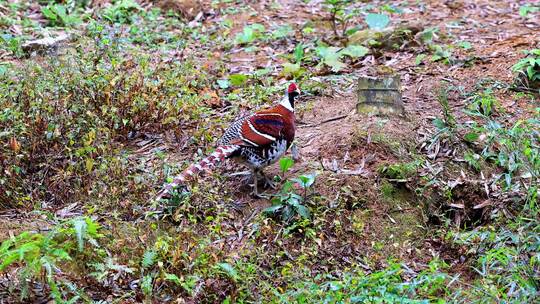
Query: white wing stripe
point(248, 141)
point(259, 133)
point(269, 114)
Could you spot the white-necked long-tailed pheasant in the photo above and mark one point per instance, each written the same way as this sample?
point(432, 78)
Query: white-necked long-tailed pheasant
point(258, 140)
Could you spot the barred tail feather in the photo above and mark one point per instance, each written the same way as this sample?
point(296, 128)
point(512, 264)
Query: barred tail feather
point(209, 162)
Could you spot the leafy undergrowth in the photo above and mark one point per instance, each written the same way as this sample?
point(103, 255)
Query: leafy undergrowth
point(439, 206)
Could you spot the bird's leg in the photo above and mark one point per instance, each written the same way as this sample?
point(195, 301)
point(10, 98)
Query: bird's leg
point(255, 192)
point(295, 152)
point(268, 182)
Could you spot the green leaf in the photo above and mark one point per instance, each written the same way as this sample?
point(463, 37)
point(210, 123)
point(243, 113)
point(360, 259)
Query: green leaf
point(530, 72)
point(466, 45)
point(89, 164)
point(294, 200)
point(287, 213)
point(8, 260)
point(249, 33)
point(377, 21)
point(299, 53)
point(439, 123)
point(285, 164)
point(271, 210)
point(247, 36)
point(303, 211)
point(258, 27)
point(419, 59)
point(173, 278)
point(428, 34)
point(355, 51)
point(60, 254)
point(330, 56)
point(147, 285)
point(282, 31)
point(262, 72)
point(287, 186)
point(440, 53)
point(308, 30)
point(471, 136)
point(293, 70)
point(526, 9)
point(508, 179)
point(305, 181)
point(238, 79)
point(223, 83)
point(149, 258)
point(229, 270)
point(48, 13)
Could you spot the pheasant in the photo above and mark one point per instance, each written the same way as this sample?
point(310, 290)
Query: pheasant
point(258, 140)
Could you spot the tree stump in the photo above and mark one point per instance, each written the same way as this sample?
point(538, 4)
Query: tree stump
point(380, 96)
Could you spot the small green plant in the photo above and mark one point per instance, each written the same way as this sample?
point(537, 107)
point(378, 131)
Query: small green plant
point(483, 104)
point(377, 21)
point(180, 200)
point(399, 171)
point(332, 56)
point(58, 15)
point(282, 32)
point(443, 54)
point(428, 35)
point(288, 204)
point(340, 16)
point(445, 126)
point(383, 286)
point(122, 11)
point(40, 256)
point(472, 159)
point(12, 44)
point(527, 9)
point(514, 148)
point(506, 261)
point(528, 70)
point(466, 45)
point(448, 121)
point(250, 33)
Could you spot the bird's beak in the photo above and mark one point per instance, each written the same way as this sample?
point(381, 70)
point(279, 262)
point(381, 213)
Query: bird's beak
point(298, 91)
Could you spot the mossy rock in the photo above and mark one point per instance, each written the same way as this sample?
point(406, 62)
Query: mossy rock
point(388, 38)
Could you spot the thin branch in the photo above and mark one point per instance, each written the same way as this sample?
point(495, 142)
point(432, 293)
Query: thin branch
point(324, 121)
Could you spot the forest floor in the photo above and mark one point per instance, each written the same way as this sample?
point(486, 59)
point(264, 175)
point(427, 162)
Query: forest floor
point(437, 204)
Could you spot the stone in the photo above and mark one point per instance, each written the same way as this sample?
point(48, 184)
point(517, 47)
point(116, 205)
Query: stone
point(388, 38)
point(44, 45)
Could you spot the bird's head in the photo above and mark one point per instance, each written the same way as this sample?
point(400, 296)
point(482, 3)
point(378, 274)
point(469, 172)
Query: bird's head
point(291, 93)
point(293, 90)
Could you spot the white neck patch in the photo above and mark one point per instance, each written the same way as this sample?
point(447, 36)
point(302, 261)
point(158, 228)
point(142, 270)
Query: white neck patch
point(286, 103)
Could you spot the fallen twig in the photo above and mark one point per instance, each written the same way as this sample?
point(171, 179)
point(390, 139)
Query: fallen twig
point(324, 121)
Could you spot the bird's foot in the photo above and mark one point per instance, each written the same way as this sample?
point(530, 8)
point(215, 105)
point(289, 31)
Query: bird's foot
point(257, 195)
point(269, 183)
